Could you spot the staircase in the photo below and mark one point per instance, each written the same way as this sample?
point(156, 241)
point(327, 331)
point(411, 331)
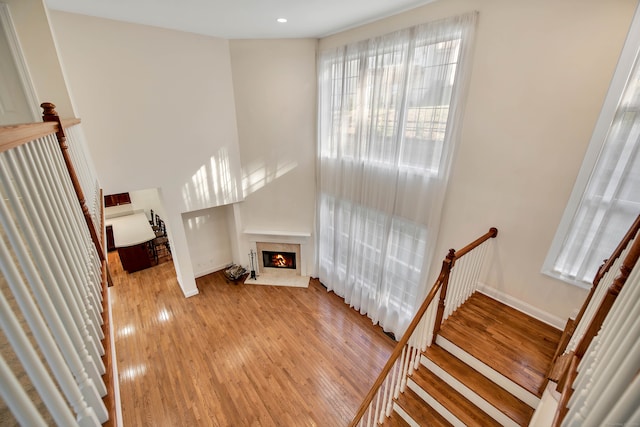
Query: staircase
point(487, 367)
point(468, 360)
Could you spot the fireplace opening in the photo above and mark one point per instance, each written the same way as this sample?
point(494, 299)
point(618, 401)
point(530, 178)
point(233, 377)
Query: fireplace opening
point(279, 259)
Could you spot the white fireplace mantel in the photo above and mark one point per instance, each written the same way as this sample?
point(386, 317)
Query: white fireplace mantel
point(271, 234)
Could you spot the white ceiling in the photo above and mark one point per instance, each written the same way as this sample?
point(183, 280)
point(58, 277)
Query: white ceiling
point(243, 19)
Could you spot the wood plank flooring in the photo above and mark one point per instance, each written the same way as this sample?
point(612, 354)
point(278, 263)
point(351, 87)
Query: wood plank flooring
point(239, 355)
point(514, 344)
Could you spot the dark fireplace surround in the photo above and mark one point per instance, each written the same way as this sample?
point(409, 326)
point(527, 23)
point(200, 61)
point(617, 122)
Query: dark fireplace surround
point(279, 259)
point(286, 257)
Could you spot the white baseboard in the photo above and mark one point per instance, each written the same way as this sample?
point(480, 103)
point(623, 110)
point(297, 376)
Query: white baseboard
point(522, 306)
point(114, 365)
point(209, 270)
point(406, 417)
point(192, 293)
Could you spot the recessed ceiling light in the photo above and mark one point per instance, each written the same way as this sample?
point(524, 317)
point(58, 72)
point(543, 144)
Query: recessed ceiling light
point(281, 20)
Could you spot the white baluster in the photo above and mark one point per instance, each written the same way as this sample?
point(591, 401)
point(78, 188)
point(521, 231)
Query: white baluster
point(93, 261)
point(610, 362)
point(29, 358)
point(610, 388)
point(401, 373)
point(395, 379)
point(69, 233)
point(431, 316)
point(405, 367)
point(56, 326)
point(58, 234)
point(387, 398)
point(614, 368)
point(379, 412)
point(467, 272)
point(596, 299)
point(17, 400)
point(370, 414)
point(46, 255)
point(84, 245)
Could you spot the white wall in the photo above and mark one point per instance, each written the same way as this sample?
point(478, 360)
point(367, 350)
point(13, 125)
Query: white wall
point(158, 111)
point(209, 239)
point(540, 73)
point(147, 200)
point(274, 83)
point(141, 200)
point(32, 27)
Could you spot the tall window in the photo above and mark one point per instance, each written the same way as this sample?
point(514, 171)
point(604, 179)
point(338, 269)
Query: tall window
point(390, 109)
point(606, 199)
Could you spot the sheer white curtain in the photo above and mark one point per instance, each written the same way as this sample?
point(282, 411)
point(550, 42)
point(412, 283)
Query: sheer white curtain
point(611, 200)
point(390, 110)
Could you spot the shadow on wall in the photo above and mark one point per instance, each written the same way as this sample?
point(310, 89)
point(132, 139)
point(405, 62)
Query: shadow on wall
point(260, 173)
point(213, 184)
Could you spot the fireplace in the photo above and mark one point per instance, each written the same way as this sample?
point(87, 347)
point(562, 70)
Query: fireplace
point(279, 259)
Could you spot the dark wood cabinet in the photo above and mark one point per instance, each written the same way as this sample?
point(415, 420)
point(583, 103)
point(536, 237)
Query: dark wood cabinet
point(134, 258)
point(111, 245)
point(116, 199)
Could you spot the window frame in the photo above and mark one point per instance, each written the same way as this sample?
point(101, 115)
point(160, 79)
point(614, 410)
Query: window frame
point(621, 75)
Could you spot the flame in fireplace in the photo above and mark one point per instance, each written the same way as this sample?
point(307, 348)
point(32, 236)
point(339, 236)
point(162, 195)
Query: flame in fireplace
point(279, 259)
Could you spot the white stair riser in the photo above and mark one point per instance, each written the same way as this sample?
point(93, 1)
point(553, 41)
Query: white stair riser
point(485, 406)
point(504, 382)
point(435, 404)
point(405, 416)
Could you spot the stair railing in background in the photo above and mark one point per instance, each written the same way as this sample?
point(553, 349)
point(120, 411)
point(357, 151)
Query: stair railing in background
point(420, 333)
point(53, 365)
point(602, 385)
point(576, 329)
point(463, 280)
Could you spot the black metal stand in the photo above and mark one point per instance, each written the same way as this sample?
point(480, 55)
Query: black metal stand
point(252, 260)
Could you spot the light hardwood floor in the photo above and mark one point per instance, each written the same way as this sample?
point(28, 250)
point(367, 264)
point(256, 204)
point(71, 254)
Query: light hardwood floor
point(239, 355)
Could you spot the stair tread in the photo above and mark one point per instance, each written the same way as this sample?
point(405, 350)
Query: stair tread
point(419, 410)
point(457, 404)
point(395, 420)
point(516, 345)
point(498, 397)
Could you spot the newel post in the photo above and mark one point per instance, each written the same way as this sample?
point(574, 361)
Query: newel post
point(445, 272)
point(49, 114)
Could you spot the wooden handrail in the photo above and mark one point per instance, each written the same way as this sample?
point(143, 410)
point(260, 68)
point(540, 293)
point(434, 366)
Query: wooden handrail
point(13, 136)
point(397, 351)
point(454, 256)
point(608, 263)
point(67, 123)
point(441, 281)
point(493, 232)
point(595, 325)
point(570, 327)
point(607, 302)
